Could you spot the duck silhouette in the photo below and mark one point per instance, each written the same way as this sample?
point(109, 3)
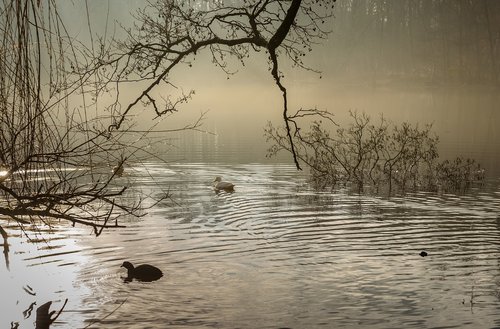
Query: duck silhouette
point(145, 272)
point(219, 185)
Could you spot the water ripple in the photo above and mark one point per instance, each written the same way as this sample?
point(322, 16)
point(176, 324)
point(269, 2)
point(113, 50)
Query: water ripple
point(276, 253)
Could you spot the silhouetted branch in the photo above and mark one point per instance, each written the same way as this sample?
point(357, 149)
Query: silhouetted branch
point(55, 159)
point(44, 317)
point(169, 34)
point(107, 315)
point(383, 154)
point(5, 246)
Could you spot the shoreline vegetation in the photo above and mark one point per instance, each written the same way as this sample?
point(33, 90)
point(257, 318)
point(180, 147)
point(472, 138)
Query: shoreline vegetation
point(378, 155)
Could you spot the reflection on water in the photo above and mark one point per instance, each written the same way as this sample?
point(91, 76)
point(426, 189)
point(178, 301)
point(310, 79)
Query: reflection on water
point(272, 254)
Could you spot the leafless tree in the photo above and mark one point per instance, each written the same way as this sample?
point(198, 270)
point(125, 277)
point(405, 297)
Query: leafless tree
point(57, 144)
point(170, 34)
point(55, 154)
point(378, 154)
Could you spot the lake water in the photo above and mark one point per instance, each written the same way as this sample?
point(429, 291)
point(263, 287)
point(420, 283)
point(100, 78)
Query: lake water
point(276, 253)
point(273, 254)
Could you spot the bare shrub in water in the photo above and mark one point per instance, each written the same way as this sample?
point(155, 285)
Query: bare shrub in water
point(459, 173)
point(379, 154)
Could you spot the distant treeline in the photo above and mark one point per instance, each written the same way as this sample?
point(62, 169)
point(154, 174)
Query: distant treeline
point(436, 41)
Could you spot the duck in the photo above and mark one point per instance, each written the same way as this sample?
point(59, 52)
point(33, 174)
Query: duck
point(220, 185)
point(423, 253)
point(145, 272)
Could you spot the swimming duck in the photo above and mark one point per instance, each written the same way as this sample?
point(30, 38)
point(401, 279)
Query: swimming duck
point(220, 185)
point(143, 272)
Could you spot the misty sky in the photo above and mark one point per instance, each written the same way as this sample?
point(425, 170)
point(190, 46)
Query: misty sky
point(240, 106)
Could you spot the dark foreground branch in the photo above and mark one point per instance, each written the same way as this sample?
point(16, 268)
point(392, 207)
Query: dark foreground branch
point(5, 246)
point(44, 317)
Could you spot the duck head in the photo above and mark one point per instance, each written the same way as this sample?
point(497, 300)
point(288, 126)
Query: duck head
point(128, 265)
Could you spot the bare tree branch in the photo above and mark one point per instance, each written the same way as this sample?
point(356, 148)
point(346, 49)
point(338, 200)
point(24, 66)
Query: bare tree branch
point(169, 34)
point(56, 158)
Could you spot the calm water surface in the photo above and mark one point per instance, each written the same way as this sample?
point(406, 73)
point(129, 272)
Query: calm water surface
point(272, 254)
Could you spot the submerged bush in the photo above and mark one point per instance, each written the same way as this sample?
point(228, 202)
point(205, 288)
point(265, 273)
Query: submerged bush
point(379, 155)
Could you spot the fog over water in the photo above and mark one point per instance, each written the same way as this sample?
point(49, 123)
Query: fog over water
point(464, 115)
point(277, 252)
